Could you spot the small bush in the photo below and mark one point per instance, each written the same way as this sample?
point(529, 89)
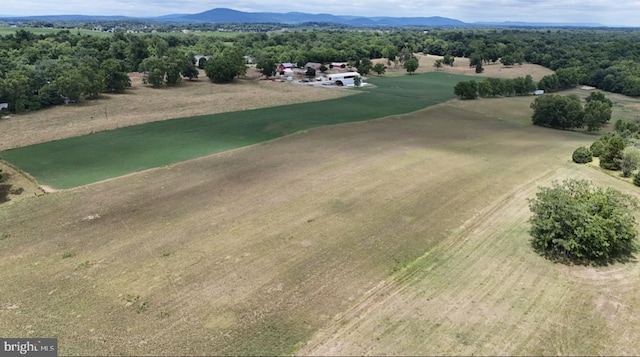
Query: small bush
point(597, 148)
point(582, 155)
point(636, 179)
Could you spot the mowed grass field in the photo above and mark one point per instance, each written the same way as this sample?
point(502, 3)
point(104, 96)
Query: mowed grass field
point(405, 235)
point(85, 159)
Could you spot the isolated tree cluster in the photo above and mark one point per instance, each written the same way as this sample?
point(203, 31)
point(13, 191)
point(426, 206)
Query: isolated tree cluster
point(576, 222)
point(567, 112)
point(411, 65)
point(618, 152)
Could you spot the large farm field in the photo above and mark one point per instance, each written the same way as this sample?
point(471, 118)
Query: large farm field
point(405, 235)
point(85, 159)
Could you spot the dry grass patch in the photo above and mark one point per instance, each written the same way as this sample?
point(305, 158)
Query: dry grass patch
point(258, 250)
point(16, 185)
point(461, 66)
point(482, 291)
point(142, 104)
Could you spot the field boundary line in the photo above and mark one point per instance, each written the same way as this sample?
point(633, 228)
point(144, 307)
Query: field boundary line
point(44, 189)
point(48, 189)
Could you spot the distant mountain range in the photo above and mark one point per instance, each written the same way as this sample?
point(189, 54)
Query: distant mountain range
point(224, 15)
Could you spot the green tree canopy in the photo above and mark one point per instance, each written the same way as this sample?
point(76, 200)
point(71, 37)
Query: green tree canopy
point(267, 66)
point(596, 114)
point(611, 157)
point(225, 66)
point(575, 222)
point(582, 155)
point(379, 68)
point(411, 65)
point(549, 83)
point(600, 97)
point(114, 77)
point(364, 66)
point(448, 60)
point(556, 111)
point(630, 160)
point(466, 90)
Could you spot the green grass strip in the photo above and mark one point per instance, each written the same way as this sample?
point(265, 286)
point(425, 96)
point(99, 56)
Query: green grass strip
point(90, 158)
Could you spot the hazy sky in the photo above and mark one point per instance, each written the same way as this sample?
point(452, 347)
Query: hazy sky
point(606, 12)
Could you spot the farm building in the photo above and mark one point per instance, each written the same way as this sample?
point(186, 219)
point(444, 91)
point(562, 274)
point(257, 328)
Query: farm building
point(346, 79)
point(283, 66)
point(314, 65)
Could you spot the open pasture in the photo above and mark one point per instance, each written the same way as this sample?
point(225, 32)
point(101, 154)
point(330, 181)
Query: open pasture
point(49, 30)
point(85, 159)
point(461, 66)
point(404, 235)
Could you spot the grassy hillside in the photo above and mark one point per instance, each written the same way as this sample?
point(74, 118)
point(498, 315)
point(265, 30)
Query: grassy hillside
point(81, 160)
point(400, 236)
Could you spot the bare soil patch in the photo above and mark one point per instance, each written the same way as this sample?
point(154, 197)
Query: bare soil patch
point(142, 104)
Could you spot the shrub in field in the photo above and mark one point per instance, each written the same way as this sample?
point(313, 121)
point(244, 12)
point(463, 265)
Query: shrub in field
point(611, 157)
point(636, 179)
point(576, 222)
point(582, 155)
point(598, 146)
point(630, 160)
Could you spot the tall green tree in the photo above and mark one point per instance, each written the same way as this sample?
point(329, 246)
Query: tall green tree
point(225, 66)
point(267, 66)
point(466, 89)
point(596, 114)
point(379, 68)
point(448, 60)
point(611, 157)
point(15, 88)
point(114, 77)
point(411, 65)
point(154, 71)
point(575, 222)
point(600, 97)
point(188, 67)
point(549, 83)
point(562, 112)
point(630, 160)
point(364, 67)
point(73, 85)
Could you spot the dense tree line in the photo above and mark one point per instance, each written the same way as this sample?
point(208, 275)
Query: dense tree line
point(493, 87)
point(41, 70)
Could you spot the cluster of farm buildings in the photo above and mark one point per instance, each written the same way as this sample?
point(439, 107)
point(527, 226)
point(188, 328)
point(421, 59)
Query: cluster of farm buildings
point(336, 73)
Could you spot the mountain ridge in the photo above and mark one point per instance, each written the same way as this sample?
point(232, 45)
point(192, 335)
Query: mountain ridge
point(227, 15)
